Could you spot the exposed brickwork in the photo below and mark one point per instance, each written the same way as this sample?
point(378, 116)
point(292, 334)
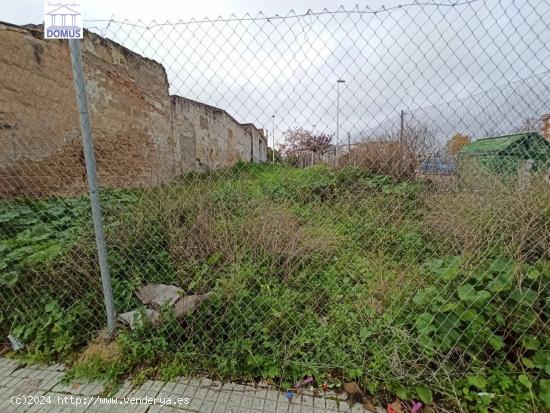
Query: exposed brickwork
point(142, 136)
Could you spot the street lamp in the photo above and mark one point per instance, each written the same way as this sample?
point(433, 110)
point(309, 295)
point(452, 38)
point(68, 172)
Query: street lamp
point(338, 116)
point(273, 148)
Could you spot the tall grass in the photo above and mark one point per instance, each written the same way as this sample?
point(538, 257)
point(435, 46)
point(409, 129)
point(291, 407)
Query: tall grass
point(343, 275)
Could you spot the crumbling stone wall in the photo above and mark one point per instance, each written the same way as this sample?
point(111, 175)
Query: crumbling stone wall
point(213, 136)
point(142, 136)
point(258, 142)
point(129, 108)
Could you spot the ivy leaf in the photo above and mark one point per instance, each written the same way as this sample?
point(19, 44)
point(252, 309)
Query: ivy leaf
point(496, 342)
point(469, 315)
point(424, 394)
point(273, 372)
point(544, 393)
point(531, 342)
point(466, 293)
point(426, 343)
point(425, 296)
point(483, 297)
point(424, 323)
point(500, 266)
point(364, 333)
point(533, 274)
point(401, 392)
point(525, 320)
point(541, 358)
point(447, 274)
point(523, 379)
point(477, 381)
point(9, 216)
point(527, 362)
point(478, 275)
point(50, 307)
point(9, 279)
point(445, 308)
point(525, 297)
point(44, 255)
point(499, 318)
point(500, 284)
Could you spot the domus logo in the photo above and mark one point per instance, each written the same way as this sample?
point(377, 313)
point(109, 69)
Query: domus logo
point(63, 20)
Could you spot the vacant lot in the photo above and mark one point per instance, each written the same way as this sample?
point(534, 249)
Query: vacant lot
point(409, 289)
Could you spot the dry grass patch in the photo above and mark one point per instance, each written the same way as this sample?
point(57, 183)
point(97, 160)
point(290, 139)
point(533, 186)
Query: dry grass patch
point(497, 217)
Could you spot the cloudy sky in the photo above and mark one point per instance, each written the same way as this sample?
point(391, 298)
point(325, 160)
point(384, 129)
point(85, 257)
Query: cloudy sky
point(408, 58)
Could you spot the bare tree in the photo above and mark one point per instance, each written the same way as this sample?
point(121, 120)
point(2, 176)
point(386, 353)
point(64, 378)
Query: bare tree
point(420, 139)
point(299, 142)
point(529, 124)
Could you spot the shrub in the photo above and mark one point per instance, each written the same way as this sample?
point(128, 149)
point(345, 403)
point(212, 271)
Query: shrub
point(385, 158)
point(505, 218)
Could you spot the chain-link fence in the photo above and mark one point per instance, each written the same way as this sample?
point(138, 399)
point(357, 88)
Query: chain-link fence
point(348, 196)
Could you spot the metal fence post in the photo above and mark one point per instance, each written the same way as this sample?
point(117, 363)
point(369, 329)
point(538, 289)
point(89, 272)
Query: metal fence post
point(89, 157)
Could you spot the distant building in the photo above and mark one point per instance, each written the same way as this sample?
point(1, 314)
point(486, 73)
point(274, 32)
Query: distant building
point(507, 154)
point(545, 126)
point(437, 165)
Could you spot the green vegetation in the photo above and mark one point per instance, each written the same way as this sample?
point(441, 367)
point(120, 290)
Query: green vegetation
point(342, 275)
point(48, 279)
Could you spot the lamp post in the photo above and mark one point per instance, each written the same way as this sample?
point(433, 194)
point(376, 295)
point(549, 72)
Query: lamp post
point(338, 116)
point(273, 148)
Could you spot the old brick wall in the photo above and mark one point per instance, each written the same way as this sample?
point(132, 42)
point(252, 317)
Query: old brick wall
point(217, 139)
point(142, 136)
point(38, 126)
point(130, 114)
point(129, 107)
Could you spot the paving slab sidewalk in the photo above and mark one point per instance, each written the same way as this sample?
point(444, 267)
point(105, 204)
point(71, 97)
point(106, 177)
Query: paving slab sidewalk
point(39, 389)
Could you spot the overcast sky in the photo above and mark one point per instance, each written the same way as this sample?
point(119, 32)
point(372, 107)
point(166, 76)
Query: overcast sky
point(404, 59)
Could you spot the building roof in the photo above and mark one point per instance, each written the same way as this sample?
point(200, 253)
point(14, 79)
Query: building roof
point(495, 143)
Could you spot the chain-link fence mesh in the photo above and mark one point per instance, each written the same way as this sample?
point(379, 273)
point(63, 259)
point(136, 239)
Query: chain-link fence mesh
point(398, 235)
point(50, 293)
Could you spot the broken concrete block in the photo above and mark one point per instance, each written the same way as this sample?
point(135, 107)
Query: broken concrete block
point(158, 295)
point(135, 318)
point(187, 304)
point(15, 343)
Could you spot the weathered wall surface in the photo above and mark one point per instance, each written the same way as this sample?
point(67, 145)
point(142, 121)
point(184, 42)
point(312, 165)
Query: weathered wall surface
point(40, 137)
point(258, 142)
point(545, 126)
point(213, 137)
point(142, 136)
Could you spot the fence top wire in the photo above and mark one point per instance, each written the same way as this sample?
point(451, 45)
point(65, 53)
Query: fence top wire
point(290, 15)
point(498, 110)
